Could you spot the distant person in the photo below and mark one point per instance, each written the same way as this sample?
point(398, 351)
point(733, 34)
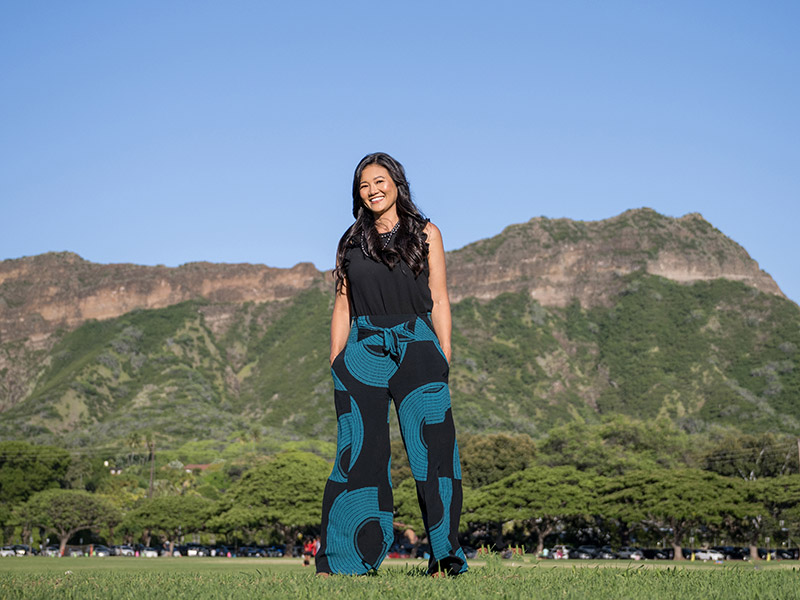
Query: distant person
point(309, 550)
point(390, 340)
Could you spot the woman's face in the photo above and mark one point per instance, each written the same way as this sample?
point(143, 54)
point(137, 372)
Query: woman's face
point(377, 189)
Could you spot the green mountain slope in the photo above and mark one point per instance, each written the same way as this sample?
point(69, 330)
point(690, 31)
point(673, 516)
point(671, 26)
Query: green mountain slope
point(710, 353)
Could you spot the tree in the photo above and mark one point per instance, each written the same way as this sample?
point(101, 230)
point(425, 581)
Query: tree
point(171, 515)
point(752, 456)
point(768, 502)
point(65, 512)
point(675, 500)
point(26, 469)
point(541, 498)
point(285, 491)
point(616, 446)
point(488, 458)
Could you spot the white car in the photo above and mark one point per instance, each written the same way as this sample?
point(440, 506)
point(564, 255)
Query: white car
point(7, 551)
point(149, 552)
point(124, 550)
point(708, 554)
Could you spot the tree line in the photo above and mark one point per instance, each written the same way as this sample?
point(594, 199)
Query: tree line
point(623, 482)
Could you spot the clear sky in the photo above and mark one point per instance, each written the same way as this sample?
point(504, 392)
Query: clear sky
point(164, 132)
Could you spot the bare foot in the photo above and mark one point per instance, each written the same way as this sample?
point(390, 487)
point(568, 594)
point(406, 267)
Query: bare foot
point(321, 574)
point(439, 574)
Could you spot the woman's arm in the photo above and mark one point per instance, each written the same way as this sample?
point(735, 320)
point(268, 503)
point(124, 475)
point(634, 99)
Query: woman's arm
point(340, 321)
point(437, 280)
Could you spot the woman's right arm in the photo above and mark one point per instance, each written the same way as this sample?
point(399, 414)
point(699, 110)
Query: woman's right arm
point(340, 321)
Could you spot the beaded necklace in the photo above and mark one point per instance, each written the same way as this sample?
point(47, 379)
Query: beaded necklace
point(386, 237)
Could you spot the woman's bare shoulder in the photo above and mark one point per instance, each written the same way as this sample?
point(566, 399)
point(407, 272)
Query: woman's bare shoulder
point(432, 231)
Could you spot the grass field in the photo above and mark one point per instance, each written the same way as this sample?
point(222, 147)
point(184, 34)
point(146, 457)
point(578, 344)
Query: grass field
point(164, 578)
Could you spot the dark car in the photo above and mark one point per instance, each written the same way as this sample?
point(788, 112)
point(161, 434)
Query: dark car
point(786, 553)
point(658, 553)
point(275, 550)
point(733, 552)
point(222, 550)
point(23, 550)
point(630, 553)
point(763, 552)
point(584, 552)
point(606, 553)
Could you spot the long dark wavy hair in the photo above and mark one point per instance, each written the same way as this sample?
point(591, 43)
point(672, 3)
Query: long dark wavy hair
point(410, 244)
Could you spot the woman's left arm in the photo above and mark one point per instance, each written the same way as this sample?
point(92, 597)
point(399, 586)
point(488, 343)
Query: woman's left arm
point(437, 280)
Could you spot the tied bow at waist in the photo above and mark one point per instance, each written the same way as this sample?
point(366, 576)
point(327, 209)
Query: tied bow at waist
point(389, 339)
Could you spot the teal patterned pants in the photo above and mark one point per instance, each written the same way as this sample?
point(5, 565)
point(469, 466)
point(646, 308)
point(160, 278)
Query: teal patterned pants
point(390, 357)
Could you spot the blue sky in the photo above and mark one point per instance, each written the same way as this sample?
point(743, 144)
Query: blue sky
point(170, 132)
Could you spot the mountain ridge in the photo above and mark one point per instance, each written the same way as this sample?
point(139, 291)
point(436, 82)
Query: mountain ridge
point(576, 327)
point(557, 260)
point(559, 265)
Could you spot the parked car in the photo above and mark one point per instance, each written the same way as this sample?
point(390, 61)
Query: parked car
point(276, 550)
point(630, 553)
point(733, 552)
point(7, 551)
point(149, 552)
point(708, 554)
point(52, 551)
point(102, 551)
point(763, 552)
point(606, 553)
point(73, 551)
point(195, 550)
point(123, 550)
point(584, 552)
point(658, 553)
point(223, 550)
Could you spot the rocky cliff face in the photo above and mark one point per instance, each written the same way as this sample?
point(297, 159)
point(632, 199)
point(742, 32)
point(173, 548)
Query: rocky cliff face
point(41, 294)
point(557, 261)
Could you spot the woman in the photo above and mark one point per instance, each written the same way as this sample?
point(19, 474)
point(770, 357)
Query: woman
point(390, 340)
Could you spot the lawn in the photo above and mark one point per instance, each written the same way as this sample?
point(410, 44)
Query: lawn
point(164, 578)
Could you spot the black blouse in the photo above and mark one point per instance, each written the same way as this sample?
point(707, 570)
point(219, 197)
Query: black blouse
point(375, 289)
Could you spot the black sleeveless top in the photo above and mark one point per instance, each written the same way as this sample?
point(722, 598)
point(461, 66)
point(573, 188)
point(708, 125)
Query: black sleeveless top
point(375, 289)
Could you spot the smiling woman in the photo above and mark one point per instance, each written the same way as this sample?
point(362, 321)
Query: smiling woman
point(390, 340)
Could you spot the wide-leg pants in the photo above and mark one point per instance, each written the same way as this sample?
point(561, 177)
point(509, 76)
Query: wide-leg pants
point(390, 357)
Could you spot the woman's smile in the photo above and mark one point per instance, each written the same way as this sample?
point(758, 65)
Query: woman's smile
point(377, 189)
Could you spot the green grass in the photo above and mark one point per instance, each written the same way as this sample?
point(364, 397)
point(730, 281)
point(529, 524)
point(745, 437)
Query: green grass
point(138, 578)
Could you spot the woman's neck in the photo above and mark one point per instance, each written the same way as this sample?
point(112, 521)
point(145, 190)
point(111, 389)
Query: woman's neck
point(385, 223)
